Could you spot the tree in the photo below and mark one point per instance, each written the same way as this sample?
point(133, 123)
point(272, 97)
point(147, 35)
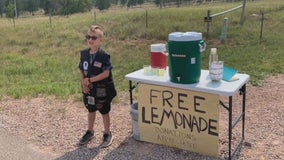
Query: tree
point(102, 4)
point(2, 7)
point(140, 2)
point(131, 3)
point(123, 2)
point(31, 6)
point(10, 10)
point(66, 7)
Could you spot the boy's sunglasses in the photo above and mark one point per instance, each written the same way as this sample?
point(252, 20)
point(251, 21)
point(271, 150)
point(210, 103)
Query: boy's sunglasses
point(91, 37)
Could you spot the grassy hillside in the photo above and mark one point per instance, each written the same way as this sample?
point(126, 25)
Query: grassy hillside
point(39, 56)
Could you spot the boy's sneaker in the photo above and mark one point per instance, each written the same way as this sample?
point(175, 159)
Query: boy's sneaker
point(107, 140)
point(86, 138)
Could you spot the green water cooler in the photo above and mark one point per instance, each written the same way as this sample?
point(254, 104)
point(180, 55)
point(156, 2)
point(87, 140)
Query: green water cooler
point(184, 57)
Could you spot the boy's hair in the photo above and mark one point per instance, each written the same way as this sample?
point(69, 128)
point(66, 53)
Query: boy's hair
point(97, 30)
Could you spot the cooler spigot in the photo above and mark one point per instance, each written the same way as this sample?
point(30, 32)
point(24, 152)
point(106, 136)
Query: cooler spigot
point(178, 77)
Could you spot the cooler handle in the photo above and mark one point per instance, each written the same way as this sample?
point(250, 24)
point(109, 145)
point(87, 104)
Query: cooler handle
point(167, 50)
point(202, 46)
point(165, 53)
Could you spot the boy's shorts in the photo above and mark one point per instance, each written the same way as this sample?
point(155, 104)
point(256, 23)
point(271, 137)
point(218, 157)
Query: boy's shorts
point(103, 108)
point(100, 98)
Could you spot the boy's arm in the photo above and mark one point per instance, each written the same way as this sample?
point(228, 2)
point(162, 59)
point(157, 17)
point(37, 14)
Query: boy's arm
point(101, 76)
point(85, 83)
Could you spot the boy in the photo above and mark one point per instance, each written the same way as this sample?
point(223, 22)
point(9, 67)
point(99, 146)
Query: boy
point(97, 84)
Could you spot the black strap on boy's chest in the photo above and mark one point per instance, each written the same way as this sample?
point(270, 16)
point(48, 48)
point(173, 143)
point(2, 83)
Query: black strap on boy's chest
point(92, 58)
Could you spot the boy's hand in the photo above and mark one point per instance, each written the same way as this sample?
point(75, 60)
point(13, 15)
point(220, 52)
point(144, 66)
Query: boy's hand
point(85, 85)
point(86, 89)
point(86, 82)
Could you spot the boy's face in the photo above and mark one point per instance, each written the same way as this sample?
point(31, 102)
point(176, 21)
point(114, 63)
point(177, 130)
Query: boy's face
point(93, 40)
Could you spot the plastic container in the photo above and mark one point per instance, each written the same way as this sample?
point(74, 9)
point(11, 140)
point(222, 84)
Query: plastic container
point(159, 57)
point(215, 66)
point(213, 56)
point(184, 56)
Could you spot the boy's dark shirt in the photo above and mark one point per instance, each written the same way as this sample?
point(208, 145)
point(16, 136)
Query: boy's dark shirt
point(92, 67)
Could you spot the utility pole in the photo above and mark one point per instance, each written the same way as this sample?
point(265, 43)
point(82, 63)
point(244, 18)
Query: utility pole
point(16, 14)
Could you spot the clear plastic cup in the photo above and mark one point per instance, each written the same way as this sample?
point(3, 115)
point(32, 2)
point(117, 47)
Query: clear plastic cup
point(161, 71)
point(155, 71)
point(216, 70)
point(147, 69)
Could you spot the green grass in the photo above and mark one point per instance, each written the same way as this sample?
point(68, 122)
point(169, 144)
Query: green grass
point(39, 58)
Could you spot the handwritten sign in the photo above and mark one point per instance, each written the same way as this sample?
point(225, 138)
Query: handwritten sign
point(179, 118)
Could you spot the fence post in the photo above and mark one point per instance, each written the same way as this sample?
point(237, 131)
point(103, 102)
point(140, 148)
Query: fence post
point(95, 17)
point(243, 12)
point(14, 22)
point(261, 27)
point(146, 18)
point(50, 21)
point(224, 30)
point(208, 20)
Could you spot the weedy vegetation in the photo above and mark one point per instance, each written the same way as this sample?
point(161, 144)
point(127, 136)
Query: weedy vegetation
point(39, 55)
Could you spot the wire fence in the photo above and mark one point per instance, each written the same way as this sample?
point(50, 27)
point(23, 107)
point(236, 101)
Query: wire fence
point(208, 19)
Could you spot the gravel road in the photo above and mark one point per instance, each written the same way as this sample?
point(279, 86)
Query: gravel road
point(48, 128)
point(14, 147)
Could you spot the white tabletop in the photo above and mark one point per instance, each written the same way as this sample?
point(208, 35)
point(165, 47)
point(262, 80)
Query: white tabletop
point(204, 85)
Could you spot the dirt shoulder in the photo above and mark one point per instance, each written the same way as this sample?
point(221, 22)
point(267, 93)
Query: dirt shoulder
point(53, 127)
point(14, 147)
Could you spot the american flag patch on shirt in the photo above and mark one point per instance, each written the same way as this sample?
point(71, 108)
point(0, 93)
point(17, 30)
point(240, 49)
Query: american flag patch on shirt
point(97, 64)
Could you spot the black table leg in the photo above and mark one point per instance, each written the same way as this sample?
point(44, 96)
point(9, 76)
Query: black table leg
point(232, 123)
point(130, 92)
point(230, 126)
point(131, 87)
point(243, 91)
